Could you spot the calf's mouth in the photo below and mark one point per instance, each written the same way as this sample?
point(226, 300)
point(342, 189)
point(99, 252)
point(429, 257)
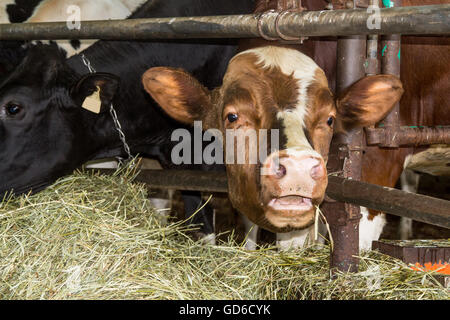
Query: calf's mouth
point(289, 212)
point(295, 203)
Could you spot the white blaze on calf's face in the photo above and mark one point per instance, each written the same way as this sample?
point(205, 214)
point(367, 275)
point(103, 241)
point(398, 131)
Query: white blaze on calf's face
point(303, 68)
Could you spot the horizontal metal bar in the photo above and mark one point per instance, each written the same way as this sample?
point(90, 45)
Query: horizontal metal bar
point(418, 20)
point(211, 181)
point(397, 202)
point(396, 136)
point(400, 203)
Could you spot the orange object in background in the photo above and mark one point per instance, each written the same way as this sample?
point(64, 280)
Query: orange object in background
point(438, 267)
point(422, 255)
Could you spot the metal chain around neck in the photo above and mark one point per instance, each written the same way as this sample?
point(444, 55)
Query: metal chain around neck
point(116, 121)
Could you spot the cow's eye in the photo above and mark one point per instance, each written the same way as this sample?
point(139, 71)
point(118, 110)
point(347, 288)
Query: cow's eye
point(13, 109)
point(330, 121)
point(232, 117)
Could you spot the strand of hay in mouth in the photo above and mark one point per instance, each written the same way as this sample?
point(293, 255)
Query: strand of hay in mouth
point(96, 237)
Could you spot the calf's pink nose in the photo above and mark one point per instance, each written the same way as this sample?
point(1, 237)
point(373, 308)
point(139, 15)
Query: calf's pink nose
point(301, 174)
point(307, 166)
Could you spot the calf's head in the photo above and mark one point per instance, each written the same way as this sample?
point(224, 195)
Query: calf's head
point(279, 89)
point(44, 131)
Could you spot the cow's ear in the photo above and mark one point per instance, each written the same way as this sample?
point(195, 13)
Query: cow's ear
point(180, 95)
point(95, 91)
point(367, 101)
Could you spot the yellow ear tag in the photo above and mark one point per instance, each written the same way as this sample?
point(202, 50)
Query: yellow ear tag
point(93, 102)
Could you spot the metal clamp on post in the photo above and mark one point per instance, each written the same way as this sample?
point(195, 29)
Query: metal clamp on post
point(259, 24)
point(283, 7)
point(285, 37)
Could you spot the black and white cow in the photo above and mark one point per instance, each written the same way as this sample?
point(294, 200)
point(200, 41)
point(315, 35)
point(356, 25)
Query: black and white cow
point(16, 11)
point(85, 10)
point(11, 52)
point(57, 10)
point(45, 133)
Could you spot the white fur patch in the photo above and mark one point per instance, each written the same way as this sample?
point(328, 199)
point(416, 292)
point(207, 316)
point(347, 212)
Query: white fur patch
point(4, 18)
point(209, 239)
point(303, 69)
point(102, 164)
point(58, 10)
point(133, 4)
point(293, 121)
point(410, 183)
point(251, 233)
point(295, 239)
point(369, 230)
point(299, 152)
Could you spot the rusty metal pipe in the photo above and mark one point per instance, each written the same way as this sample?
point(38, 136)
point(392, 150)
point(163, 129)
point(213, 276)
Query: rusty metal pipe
point(405, 20)
point(344, 217)
point(208, 181)
point(397, 202)
point(372, 46)
point(390, 64)
point(407, 137)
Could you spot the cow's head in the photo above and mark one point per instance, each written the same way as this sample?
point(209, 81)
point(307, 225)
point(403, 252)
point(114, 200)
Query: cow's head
point(276, 88)
point(44, 131)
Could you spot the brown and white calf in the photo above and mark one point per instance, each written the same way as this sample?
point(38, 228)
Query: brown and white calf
point(276, 88)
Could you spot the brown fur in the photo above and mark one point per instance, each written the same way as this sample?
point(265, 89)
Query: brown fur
point(186, 102)
point(370, 99)
point(321, 107)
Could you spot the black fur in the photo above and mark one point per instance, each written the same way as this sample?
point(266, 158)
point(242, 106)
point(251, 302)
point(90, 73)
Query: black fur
point(12, 52)
point(21, 10)
point(53, 135)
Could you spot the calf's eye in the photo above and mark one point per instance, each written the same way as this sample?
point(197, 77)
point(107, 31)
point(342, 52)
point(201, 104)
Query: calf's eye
point(232, 117)
point(330, 121)
point(13, 109)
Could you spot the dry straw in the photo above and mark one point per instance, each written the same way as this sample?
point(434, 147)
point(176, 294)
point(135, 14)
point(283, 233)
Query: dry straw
point(91, 236)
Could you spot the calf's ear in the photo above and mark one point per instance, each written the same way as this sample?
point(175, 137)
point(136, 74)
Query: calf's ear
point(367, 101)
point(180, 95)
point(95, 91)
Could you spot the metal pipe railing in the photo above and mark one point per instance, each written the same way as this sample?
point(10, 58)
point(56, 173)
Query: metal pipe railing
point(417, 20)
point(344, 217)
point(394, 137)
point(397, 202)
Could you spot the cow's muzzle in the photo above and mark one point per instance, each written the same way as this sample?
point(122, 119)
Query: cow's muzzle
point(293, 182)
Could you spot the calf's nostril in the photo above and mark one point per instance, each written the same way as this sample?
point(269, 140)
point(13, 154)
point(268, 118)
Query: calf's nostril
point(317, 172)
point(280, 171)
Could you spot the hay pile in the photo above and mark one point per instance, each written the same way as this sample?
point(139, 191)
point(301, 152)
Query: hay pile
point(96, 237)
